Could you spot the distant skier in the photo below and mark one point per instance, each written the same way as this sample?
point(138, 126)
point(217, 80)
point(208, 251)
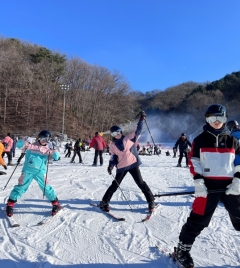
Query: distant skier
point(2, 162)
point(215, 164)
point(35, 167)
point(69, 150)
point(125, 157)
point(76, 150)
point(233, 127)
point(183, 144)
point(99, 144)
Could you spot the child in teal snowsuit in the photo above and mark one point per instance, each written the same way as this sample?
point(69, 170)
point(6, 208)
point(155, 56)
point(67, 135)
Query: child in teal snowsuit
point(35, 167)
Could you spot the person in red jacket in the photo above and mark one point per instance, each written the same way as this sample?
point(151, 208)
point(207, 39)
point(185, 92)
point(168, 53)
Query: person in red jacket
point(98, 143)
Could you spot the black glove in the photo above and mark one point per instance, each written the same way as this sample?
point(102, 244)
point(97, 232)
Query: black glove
point(142, 115)
point(110, 168)
point(21, 157)
point(5, 167)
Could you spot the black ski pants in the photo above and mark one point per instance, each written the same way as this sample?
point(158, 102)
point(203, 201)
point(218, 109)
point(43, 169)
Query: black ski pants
point(79, 155)
point(98, 153)
point(9, 156)
point(202, 211)
point(181, 157)
point(68, 154)
point(135, 172)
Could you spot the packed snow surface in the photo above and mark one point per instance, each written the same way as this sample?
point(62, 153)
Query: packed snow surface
point(83, 236)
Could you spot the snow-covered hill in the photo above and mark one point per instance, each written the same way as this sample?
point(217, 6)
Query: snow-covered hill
point(82, 236)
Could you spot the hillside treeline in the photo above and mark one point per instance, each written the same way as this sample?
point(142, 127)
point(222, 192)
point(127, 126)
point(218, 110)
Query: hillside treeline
point(31, 98)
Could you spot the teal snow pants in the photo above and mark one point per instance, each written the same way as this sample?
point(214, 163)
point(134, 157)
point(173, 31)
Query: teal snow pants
point(24, 182)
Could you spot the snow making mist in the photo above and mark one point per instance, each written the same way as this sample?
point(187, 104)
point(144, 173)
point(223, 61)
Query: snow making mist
point(164, 128)
point(167, 128)
point(127, 128)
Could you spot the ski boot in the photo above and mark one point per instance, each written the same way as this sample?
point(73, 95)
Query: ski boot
point(9, 207)
point(151, 206)
point(10, 163)
point(179, 165)
point(56, 207)
point(94, 165)
point(104, 206)
point(182, 255)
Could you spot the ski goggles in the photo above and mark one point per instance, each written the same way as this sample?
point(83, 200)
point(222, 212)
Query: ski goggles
point(115, 133)
point(44, 139)
point(212, 119)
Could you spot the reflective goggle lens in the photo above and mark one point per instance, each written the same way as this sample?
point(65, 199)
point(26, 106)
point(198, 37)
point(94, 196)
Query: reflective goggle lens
point(212, 119)
point(115, 133)
point(44, 139)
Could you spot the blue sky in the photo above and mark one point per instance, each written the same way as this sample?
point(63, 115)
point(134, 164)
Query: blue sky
point(154, 44)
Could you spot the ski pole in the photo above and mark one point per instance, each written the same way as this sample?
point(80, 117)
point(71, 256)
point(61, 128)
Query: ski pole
point(190, 192)
point(149, 132)
point(86, 151)
point(122, 192)
point(10, 177)
point(151, 137)
point(18, 162)
point(45, 182)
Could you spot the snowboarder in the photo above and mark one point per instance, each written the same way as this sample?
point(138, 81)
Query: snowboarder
point(125, 157)
point(35, 167)
point(215, 164)
point(183, 144)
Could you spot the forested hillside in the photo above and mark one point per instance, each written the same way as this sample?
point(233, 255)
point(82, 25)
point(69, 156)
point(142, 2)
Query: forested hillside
point(31, 97)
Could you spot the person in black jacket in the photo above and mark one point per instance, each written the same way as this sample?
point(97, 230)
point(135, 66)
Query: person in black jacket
point(215, 166)
point(77, 149)
point(183, 144)
point(69, 150)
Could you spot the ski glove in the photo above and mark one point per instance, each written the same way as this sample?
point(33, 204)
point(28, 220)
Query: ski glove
point(20, 158)
point(200, 188)
point(234, 187)
point(142, 115)
point(110, 168)
point(5, 167)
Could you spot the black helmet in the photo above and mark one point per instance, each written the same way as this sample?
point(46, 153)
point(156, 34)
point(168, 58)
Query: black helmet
point(115, 129)
point(216, 110)
point(44, 134)
point(231, 125)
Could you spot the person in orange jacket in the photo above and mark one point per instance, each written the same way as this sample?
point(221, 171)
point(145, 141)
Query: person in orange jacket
point(2, 162)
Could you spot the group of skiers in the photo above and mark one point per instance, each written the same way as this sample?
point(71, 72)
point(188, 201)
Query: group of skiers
point(214, 162)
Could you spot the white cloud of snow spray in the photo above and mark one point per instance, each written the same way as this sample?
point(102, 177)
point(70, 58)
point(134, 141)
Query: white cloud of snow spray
point(165, 128)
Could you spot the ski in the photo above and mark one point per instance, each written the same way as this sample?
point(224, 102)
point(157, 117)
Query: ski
point(108, 213)
point(148, 217)
point(49, 218)
point(13, 223)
